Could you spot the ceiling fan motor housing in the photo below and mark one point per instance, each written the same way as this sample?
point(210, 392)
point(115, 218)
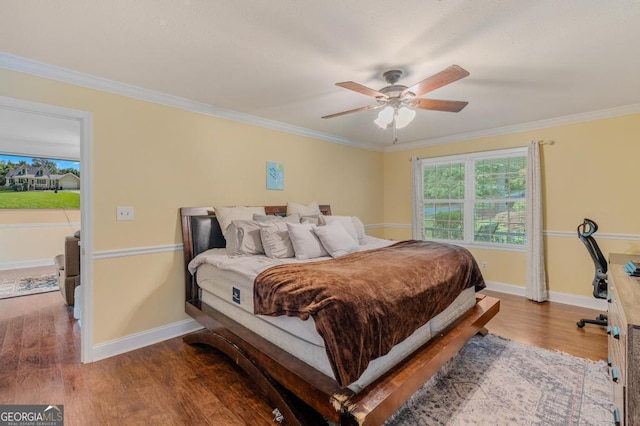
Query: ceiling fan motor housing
point(392, 76)
point(394, 91)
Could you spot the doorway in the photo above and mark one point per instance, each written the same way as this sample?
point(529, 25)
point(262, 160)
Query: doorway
point(12, 109)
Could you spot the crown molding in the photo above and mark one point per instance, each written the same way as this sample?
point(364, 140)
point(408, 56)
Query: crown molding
point(40, 69)
point(533, 125)
point(52, 72)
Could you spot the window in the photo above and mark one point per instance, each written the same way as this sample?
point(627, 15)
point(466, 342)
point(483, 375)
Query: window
point(474, 198)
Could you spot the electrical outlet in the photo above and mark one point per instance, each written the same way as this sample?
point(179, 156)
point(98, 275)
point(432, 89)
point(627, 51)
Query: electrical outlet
point(484, 265)
point(124, 213)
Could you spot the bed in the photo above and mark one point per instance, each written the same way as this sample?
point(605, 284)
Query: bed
point(301, 373)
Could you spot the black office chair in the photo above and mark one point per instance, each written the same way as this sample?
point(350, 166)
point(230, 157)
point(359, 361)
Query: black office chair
point(585, 233)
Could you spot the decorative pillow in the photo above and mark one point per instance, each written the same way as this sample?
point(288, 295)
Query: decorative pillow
point(306, 243)
point(314, 219)
point(346, 222)
point(226, 215)
point(308, 210)
point(275, 239)
point(294, 218)
point(335, 239)
point(243, 237)
point(360, 232)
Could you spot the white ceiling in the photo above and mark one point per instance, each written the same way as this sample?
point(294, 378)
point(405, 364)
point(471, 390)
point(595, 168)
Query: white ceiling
point(279, 60)
point(38, 135)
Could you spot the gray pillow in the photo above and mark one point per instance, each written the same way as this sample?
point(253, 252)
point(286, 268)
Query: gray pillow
point(306, 243)
point(243, 237)
point(275, 239)
point(293, 218)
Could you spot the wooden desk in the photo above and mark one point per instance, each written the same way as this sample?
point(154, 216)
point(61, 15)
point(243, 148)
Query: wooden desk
point(624, 338)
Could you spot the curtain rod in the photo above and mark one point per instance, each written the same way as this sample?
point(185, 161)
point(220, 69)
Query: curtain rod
point(540, 142)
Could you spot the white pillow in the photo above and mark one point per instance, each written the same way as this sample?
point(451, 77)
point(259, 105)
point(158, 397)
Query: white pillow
point(308, 210)
point(360, 232)
point(226, 215)
point(346, 222)
point(243, 237)
point(294, 218)
point(275, 239)
point(306, 243)
point(335, 239)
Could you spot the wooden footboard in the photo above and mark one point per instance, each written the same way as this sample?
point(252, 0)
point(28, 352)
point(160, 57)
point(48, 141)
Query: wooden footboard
point(279, 374)
point(381, 399)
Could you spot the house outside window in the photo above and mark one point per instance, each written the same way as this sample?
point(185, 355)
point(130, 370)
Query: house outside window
point(474, 199)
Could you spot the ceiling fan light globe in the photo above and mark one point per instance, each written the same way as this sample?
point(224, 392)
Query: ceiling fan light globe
point(404, 117)
point(385, 117)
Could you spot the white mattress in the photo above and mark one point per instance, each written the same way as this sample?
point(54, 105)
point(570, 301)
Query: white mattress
point(227, 285)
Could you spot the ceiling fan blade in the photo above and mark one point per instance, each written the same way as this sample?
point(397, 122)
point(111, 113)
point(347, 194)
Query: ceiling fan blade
point(444, 77)
point(437, 104)
point(364, 108)
point(357, 87)
point(354, 110)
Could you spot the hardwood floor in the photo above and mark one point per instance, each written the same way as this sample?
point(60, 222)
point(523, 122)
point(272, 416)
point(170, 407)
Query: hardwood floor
point(172, 383)
point(549, 325)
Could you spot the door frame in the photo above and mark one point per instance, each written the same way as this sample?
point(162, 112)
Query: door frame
point(85, 119)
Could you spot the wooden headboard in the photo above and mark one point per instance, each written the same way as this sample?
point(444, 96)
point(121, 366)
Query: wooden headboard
point(201, 232)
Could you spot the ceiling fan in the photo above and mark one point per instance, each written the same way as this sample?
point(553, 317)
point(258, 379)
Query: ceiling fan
point(400, 102)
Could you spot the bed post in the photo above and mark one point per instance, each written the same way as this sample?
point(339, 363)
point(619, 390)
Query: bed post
point(186, 215)
point(188, 255)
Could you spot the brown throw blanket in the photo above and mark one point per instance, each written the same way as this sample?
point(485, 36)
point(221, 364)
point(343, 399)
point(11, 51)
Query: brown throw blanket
point(366, 302)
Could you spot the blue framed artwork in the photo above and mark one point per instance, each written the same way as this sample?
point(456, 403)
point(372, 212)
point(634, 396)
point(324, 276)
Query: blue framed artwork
point(275, 176)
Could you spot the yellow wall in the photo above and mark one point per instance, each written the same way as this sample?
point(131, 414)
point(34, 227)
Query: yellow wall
point(590, 171)
point(157, 159)
point(35, 235)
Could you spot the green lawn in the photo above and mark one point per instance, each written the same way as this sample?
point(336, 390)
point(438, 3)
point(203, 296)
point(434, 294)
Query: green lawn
point(39, 200)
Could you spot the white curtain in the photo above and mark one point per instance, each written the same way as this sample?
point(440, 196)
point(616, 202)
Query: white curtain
point(536, 280)
point(417, 203)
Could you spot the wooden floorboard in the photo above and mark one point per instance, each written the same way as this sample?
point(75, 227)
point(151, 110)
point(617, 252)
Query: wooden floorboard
point(173, 383)
point(549, 325)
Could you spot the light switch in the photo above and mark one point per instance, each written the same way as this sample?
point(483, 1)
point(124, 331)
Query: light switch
point(124, 213)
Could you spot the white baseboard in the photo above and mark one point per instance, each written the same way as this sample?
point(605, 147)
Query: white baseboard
point(554, 296)
point(26, 264)
point(142, 339)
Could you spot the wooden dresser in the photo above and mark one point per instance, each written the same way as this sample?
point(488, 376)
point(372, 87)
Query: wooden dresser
point(624, 339)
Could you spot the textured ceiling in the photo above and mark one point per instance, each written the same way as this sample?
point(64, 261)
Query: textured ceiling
point(39, 135)
point(279, 60)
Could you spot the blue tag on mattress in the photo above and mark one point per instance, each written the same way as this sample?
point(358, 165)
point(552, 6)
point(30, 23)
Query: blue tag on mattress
point(236, 295)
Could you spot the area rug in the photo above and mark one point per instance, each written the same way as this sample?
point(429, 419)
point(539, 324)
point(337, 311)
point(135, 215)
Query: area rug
point(495, 381)
point(28, 285)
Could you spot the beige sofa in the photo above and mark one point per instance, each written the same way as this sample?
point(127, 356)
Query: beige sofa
point(68, 268)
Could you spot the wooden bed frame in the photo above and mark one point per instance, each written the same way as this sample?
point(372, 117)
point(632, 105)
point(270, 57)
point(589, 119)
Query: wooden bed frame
point(302, 394)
